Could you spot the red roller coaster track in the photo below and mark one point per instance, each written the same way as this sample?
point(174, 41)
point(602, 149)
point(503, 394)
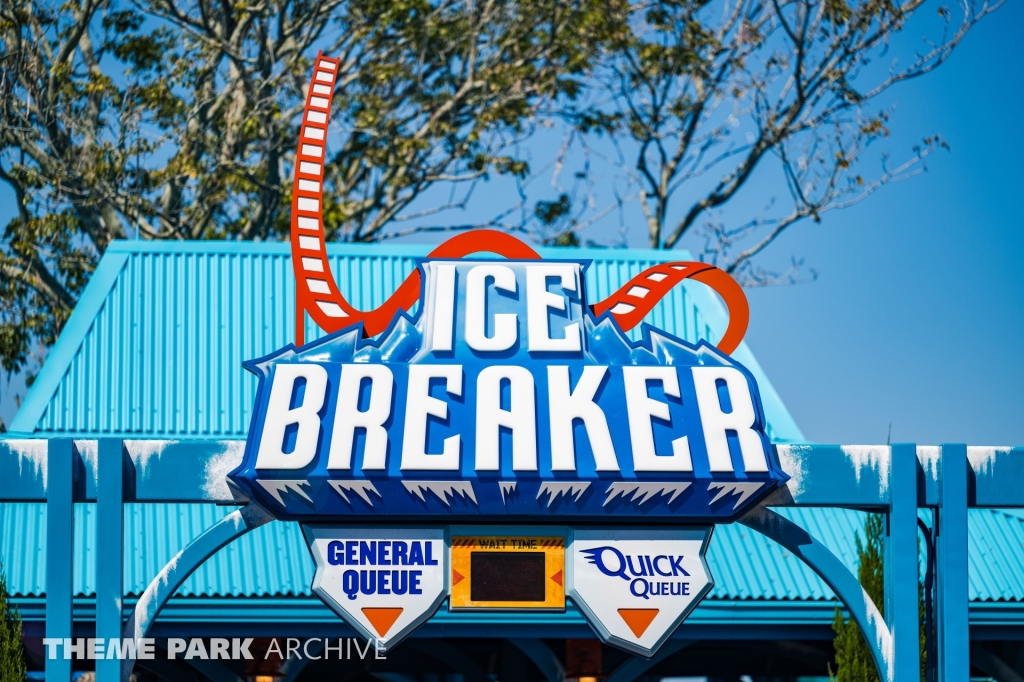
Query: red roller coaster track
point(317, 293)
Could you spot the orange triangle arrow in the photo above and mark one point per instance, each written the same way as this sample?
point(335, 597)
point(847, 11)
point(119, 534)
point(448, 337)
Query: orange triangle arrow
point(382, 618)
point(638, 620)
point(457, 577)
point(557, 577)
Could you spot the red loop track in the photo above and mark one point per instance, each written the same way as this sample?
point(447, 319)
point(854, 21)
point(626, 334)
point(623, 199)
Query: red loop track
point(317, 293)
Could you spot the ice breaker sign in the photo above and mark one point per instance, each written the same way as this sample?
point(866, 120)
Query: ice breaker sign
point(505, 395)
point(384, 583)
point(635, 587)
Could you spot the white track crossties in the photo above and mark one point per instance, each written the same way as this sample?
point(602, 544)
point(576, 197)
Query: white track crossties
point(314, 283)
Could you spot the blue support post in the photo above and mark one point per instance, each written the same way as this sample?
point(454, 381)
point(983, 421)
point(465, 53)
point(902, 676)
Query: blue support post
point(60, 533)
point(109, 551)
point(901, 603)
point(952, 629)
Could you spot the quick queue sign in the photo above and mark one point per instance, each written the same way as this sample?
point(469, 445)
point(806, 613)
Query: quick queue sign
point(636, 586)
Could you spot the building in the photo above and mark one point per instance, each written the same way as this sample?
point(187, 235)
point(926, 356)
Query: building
point(154, 351)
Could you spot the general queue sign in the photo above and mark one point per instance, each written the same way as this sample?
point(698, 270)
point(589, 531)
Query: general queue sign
point(499, 447)
point(384, 583)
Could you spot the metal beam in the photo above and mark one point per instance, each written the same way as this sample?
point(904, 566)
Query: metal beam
point(998, 476)
point(901, 556)
point(109, 551)
point(254, 616)
point(952, 596)
point(821, 475)
point(293, 667)
point(179, 568)
point(835, 574)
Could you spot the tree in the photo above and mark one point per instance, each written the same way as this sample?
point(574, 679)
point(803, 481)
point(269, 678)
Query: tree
point(12, 653)
point(852, 655)
point(793, 80)
point(177, 119)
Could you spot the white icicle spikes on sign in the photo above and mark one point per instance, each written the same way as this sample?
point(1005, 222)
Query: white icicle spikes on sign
point(442, 489)
point(278, 487)
point(744, 490)
point(361, 488)
point(638, 492)
point(556, 489)
point(507, 488)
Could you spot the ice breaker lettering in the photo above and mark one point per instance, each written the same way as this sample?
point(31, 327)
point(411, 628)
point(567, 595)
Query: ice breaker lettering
point(564, 407)
point(467, 402)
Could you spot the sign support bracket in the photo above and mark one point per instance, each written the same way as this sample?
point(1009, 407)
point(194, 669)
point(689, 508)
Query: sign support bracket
point(541, 656)
point(231, 527)
point(638, 665)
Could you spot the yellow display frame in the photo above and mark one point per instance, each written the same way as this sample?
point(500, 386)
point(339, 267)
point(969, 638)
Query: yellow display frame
point(463, 545)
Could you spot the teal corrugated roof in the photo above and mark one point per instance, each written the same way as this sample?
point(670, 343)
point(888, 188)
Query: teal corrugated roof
point(156, 344)
point(273, 560)
point(270, 561)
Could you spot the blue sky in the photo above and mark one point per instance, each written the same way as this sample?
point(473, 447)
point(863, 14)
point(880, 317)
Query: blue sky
point(917, 316)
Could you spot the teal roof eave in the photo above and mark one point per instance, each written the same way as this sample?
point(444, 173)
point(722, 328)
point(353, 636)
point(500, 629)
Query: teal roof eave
point(69, 341)
point(357, 249)
point(29, 419)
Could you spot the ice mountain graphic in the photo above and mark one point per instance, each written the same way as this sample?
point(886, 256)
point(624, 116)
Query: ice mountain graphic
point(605, 344)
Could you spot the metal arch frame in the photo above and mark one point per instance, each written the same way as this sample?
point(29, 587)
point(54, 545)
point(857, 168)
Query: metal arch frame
point(181, 566)
point(895, 481)
point(835, 574)
point(893, 641)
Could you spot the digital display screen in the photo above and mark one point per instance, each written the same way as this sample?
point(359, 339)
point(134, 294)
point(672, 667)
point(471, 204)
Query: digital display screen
point(507, 576)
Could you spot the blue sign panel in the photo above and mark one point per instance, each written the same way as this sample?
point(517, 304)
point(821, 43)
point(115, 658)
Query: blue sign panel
point(502, 397)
